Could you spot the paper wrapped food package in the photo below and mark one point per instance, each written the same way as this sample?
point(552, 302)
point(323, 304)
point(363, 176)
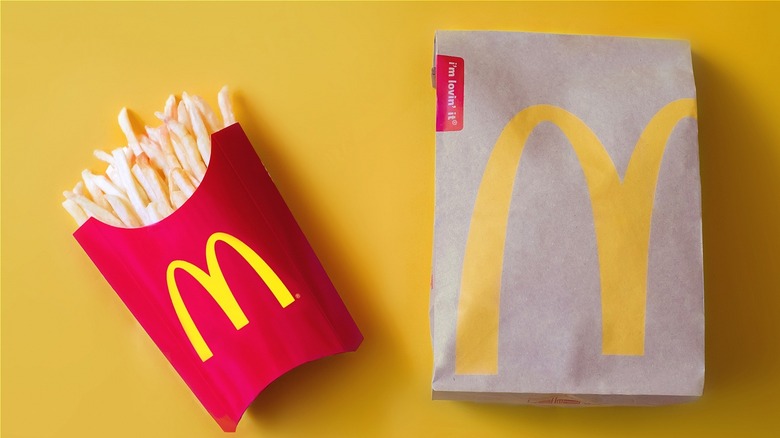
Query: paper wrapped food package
point(227, 285)
point(567, 264)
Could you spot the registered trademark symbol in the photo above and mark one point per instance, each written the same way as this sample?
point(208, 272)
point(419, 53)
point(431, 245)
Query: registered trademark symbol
point(297, 296)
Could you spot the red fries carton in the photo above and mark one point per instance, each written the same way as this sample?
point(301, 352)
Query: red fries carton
point(227, 286)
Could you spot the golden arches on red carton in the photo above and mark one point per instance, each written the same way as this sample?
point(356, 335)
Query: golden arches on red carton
point(213, 280)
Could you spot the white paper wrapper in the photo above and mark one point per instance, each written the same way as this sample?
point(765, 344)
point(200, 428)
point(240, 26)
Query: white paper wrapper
point(567, 264)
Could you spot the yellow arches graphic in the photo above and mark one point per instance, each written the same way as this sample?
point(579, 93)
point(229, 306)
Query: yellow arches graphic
point(622, 213)
point(215, 284)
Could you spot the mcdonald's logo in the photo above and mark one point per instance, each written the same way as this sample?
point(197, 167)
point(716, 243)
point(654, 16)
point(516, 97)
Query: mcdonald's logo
point(213, 280)
point(622, 213)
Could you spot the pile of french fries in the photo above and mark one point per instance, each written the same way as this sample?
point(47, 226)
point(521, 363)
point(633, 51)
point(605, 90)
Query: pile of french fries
point(157, 171)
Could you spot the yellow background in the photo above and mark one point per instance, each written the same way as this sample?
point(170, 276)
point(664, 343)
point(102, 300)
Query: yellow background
point(338, 102)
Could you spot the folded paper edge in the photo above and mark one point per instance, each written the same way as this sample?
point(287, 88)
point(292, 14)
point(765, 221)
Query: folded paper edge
point(229, 422)
point(564, 400)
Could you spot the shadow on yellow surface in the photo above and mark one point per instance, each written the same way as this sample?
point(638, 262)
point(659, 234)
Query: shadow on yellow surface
point(338, 102)
point(740, 190)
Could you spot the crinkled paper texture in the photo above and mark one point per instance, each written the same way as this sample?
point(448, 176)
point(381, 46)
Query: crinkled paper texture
point(550, 314)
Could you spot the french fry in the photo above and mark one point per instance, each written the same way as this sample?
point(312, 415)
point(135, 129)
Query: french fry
point(225, 108)
point(152, 150)
point(153, 214)
point(182, 182)
point(182, 116)
point(127, 129)
point(212, 122)
point(167, 147)
point(75, 211)
point(170, 105)
point(186, 150)
point(162, 208)
point(141, 178)
point(150, 180)
point(129, 153)
point(198, 127)
point(182, 155)
point(157, 171)
point(104, 156)
point(80, 190)
point(161, 136)
point(178, 198)
point(107, 186)
point(135, 193)
point(94, 210)
point(94, 190)
point(124, 211)
point(111, 175)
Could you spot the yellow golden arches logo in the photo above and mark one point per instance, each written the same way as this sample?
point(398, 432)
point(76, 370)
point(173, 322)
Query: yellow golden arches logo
point(214, 282)
point(622, 213)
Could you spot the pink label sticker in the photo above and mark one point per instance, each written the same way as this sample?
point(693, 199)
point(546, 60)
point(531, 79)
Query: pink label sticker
point(449, 93)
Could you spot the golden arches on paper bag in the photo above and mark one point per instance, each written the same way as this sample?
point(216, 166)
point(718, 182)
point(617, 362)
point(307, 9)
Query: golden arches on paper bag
point(213, 280)
point(622, 213)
